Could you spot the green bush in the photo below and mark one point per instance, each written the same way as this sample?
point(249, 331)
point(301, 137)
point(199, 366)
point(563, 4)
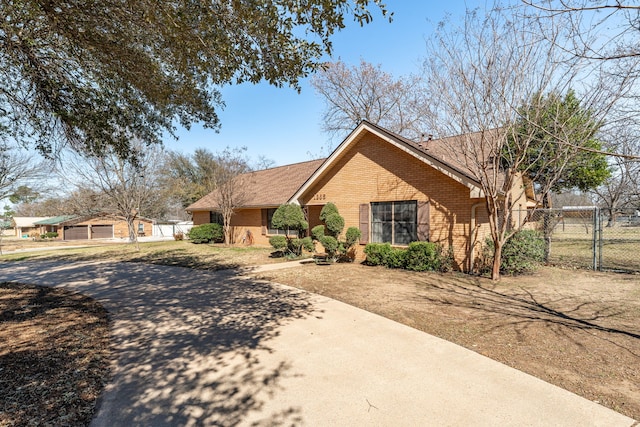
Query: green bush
point(317, 232)
point(49, 235)
point(206, 233)
point(396, 258)
point(289, 217)
point(352, 236)
point(279, 242)
point(330, 244)
point(522, 253)
point(376, 253)
point(328, 209)
point(335, 224)
point(384, 254)
point(423, 256)
point(419, 256)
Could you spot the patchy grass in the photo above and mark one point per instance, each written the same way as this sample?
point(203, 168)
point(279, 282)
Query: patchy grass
point(54, 356)
point(174, 253)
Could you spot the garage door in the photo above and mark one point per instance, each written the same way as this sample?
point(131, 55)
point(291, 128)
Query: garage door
point(75, 232)
point(101, 231)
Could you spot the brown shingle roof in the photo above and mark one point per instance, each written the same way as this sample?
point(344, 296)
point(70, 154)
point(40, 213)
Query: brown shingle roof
point(268, 187)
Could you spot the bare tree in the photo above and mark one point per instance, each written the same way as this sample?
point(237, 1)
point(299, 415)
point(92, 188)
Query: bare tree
point(352, 94)
point(232, 181)
point(480, 77)
point(124, 187)
point(16, 168)
point(622, 189)
point(599, 29)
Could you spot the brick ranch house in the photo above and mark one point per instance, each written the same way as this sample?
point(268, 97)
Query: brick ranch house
point(395, 190)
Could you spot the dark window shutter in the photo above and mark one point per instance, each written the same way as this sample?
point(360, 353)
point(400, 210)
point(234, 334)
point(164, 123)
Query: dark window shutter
point(264, 222)
point(423, 221)
point(364, 224)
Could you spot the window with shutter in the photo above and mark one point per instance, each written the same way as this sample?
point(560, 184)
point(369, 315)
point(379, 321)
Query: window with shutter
point(394, 222)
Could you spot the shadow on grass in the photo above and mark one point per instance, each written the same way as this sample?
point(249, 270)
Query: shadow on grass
point(188, 343)
point(522, 307)
point(181, 258)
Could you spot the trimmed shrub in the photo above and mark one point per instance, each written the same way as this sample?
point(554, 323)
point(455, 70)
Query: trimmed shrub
point(328, 209)
point(423, 256)
point(279, 242)
point(289, 217)
point(317, 232)
point(352, 236)
point(335, 224)
point(206, 233)
point(384, 254)
point(178, 236)
point(396, 258)
point(330, 244)
point(376, 253)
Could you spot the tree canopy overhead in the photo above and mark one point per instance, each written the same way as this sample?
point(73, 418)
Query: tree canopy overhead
point(99, 74)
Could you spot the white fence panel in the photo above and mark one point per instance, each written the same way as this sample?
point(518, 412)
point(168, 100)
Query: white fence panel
point(168, 230)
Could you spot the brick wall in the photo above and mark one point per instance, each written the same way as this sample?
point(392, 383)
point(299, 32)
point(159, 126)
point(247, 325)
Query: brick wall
point(375, 171)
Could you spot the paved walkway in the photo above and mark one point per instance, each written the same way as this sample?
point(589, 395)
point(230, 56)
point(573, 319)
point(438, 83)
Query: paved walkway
point(200, 348)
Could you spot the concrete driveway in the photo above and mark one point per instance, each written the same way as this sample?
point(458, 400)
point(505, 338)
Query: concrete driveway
point(203, 348)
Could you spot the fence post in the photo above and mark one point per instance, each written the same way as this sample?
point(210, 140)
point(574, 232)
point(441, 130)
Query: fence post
point(600, 240)
point(594, 248)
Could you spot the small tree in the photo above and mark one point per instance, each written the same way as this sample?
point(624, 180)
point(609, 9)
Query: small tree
point(290, 219)
point(231, 179)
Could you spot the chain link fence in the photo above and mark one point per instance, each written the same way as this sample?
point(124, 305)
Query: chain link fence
point(588, 237)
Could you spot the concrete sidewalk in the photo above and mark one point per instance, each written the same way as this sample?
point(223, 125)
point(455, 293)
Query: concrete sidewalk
point(202, 348)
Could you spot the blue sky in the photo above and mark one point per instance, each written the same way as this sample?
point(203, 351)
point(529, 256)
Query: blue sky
point(282, 125)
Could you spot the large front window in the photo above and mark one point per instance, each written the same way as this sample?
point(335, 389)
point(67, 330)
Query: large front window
point(394, 222)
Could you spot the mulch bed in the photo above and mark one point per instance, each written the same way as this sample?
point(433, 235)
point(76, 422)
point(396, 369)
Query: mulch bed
point(54, 357)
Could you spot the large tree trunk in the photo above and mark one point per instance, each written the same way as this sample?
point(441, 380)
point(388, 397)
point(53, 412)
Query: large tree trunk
point(133, 235)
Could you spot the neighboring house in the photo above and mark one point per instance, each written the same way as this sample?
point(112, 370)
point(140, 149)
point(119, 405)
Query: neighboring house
point(100, 226)
point(25, 226)
point(393, 189)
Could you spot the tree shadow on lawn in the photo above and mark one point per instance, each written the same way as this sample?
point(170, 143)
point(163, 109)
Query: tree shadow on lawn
point(188, 343)
point(522, 307)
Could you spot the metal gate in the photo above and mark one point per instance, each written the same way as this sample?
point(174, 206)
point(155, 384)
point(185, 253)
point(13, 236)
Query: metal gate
point(589, 237)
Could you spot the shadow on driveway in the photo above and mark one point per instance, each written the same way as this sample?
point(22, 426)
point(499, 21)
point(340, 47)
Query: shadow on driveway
point(187, 343)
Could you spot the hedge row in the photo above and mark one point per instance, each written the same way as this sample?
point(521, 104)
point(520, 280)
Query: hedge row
point(419, 256)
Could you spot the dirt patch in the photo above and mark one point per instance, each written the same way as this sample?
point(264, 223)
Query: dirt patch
point(576, 329)
point(54, 356)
